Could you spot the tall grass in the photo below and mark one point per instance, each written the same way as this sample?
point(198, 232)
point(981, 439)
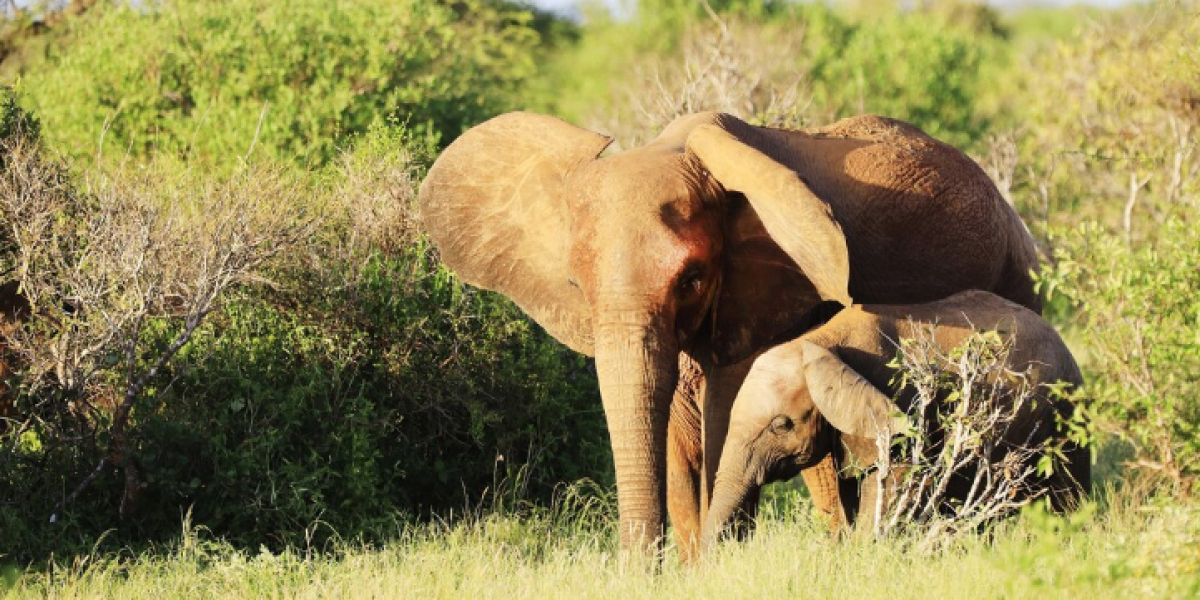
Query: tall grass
point(1122, 549)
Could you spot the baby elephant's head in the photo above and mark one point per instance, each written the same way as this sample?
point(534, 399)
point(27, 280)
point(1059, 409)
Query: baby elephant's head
point(795, 402)
point(775, 430)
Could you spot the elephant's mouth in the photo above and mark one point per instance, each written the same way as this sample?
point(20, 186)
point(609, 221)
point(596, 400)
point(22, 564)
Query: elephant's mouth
point(788, 468)
point(690, 339)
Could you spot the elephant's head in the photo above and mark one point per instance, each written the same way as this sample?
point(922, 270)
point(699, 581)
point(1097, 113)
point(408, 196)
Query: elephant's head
point(797, 402)
point(632, 258)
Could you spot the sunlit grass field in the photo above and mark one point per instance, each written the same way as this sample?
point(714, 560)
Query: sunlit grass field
point(1114, 548)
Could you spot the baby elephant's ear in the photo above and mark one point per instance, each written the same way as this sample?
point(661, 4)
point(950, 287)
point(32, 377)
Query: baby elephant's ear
point(848, 401)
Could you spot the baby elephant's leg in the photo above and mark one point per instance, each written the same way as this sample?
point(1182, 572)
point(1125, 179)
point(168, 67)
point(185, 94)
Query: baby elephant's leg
point(822, 482)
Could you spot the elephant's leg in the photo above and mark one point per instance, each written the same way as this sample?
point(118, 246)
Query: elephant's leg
point(823, 486)
point(876, 500)
point(720, 390)
point(864, 521)
point(684, 460)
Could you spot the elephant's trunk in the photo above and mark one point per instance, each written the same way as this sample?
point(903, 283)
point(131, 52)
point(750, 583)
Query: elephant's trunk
point(736, 481)
point(637, 364)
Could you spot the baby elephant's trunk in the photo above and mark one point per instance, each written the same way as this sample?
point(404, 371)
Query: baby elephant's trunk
point(730, 492)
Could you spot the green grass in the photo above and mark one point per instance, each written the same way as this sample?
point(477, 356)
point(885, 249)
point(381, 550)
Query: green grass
point(1123, 549)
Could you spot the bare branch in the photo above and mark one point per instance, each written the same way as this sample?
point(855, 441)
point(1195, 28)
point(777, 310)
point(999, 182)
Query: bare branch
point(133, 247)
point(740, 68)
point(967, 407)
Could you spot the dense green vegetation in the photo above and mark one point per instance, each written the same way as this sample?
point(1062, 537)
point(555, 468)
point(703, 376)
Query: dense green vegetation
point(339, 387)
point(220, 80)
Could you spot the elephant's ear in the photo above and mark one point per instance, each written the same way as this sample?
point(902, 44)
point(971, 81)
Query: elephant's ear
point(848, 401)
point(493, 203)
point(784, 250)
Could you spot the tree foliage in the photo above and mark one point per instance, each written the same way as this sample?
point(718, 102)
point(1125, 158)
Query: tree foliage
point(932, 68)
point(1113, 136)
point(291, 80)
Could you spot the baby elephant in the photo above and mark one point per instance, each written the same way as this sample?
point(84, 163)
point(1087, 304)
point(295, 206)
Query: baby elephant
point(827, 394)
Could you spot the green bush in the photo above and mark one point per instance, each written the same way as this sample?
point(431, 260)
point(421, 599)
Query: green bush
point(1112, 136)
point(363, 389)
point(292, 80)
point(1108, 156)
point(1139, 316)
point(422, 395)
point(918, 67)
point(15, 120)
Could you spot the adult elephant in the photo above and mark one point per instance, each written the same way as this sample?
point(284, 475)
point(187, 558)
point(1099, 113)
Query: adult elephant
point(715, 240)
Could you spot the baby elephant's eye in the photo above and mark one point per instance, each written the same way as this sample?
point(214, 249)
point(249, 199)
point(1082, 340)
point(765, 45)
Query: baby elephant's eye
point(781, 424)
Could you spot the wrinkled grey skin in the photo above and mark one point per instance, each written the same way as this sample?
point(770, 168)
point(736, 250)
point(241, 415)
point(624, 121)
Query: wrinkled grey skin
point(827, 393)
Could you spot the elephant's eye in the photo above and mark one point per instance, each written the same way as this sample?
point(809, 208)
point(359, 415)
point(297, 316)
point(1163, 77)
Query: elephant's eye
point(691, 280)
point(781, 424)
point(571, 281)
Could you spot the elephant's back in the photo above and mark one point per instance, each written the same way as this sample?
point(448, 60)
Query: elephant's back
point(1035, 345)
point(922, 220)
point(964, 313)
point(1034, 349)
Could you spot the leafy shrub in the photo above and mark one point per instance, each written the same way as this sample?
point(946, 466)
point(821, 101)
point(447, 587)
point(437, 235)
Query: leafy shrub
point(15, 120)
point(917, 67)
point(292, 80)
point(1137, 311)
point(103, 263)
point(364, 387)
point(1105, 155)
point(419, 394)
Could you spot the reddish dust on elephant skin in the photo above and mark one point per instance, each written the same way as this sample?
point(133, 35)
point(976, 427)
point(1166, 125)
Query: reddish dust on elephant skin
point(651, 234)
